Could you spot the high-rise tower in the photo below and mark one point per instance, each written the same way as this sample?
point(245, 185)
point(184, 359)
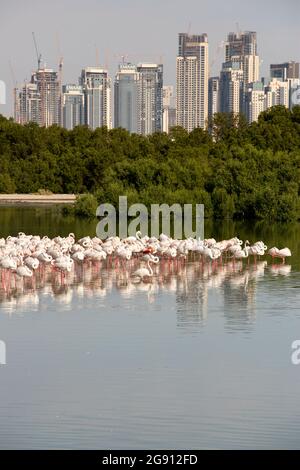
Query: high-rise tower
point(29, 104)
point(213, 96)
point(192, 70)
point(231, 87)
point(48, 87)
point(150, 98)
point(96, 86)
point(126, 98)
point(241, 48)
point(73, 106)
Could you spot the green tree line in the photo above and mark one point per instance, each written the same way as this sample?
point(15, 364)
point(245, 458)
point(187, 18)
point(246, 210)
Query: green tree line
point(237, 170)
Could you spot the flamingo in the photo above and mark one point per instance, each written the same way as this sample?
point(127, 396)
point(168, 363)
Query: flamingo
point(242, 253)
point(258, 249)
point(31, 263)
point(143, 273)
point(78, 256)
point(24, 271)
point(8, 263)
point(282, 254)
point(211, 252)
point(150, 257)
point(63, 264)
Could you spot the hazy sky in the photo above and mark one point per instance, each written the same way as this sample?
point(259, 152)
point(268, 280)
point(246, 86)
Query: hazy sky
point(145, 30)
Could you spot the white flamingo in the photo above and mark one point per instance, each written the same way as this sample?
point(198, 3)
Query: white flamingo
point(242, 253)
point(24, 271)
point(282, 254)
point(144, 273)
point(31, 263)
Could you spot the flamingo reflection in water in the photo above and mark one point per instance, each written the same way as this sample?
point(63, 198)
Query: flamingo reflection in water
point(90, 266)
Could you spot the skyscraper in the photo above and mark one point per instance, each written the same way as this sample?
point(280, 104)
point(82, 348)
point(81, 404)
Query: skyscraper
point(39, 100)
point(96, 86)
point(192, 81)
point(287, 70)
point(213, 96)
point(255, 101)
point(250, 67)
point(240, 44)
point(73, 106)
point(231, 87)
point(241, 48)
point(150, 98)
point(277, 93)
point(126, 99)
point(169, 110)
point(48, 87)
point(29, 104)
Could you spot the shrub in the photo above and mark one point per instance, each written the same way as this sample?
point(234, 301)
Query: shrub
point(86, 205)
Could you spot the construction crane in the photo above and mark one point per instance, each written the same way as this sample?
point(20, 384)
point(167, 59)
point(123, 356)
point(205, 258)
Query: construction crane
point(60, 73)
point(123, 57)
point(42, 83)
point(38, 54)
point(60, 79)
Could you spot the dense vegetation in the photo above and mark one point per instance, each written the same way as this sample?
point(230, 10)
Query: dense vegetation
point(237, 170)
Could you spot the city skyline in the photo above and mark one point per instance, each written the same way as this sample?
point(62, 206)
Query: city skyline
point(113, 30)
point(141, 102)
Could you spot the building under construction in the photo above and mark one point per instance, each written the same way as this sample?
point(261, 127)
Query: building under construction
point(40, 100)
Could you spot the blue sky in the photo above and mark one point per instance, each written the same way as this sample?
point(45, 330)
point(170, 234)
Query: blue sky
point(141, 29)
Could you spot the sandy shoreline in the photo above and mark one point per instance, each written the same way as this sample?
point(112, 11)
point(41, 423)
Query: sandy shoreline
point(36, 199)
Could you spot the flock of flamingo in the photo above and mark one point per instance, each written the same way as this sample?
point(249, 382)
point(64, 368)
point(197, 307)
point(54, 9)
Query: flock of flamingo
point(34, 266)
point(23, 255)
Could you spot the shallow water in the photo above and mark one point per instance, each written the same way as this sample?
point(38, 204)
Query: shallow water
point(199, 358)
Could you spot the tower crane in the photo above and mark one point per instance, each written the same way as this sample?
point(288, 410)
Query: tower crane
point(38, 54)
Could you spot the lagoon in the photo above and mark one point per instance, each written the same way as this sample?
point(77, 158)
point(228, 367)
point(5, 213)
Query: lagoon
point(199, 358)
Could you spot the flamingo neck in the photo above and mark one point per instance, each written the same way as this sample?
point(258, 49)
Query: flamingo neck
point(150, 269)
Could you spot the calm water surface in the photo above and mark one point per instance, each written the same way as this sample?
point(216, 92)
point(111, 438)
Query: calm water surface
point(199, 358)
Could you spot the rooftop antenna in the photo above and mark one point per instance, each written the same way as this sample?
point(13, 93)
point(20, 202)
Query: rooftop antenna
point(38, 54)
point(15, 93)
point(107, 56)
point(61, 59)
point(60, 78)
